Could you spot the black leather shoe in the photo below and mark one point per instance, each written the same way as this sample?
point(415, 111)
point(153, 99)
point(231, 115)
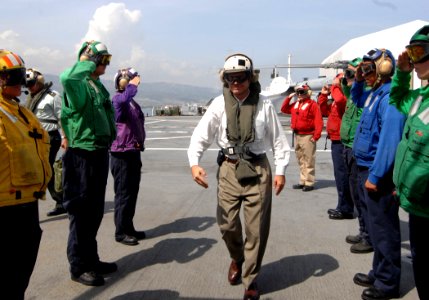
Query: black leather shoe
point(104, 268)
point(363, 280)
point(89, 278)
point(127, 240)
point(353, 239)
point(139, 235)
point(58, 210)
point(297, 186)
point(332, 211)
point(361, 247)
point(373, 293)
point(251, 293)
point(234, 272)
point(340, 216)
point(307, 188)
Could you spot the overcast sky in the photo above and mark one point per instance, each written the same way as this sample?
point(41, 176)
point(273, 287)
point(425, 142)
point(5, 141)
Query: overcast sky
point(186, 41)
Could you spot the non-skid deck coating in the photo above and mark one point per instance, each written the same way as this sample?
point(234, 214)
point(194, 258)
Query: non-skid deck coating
point(184, 256)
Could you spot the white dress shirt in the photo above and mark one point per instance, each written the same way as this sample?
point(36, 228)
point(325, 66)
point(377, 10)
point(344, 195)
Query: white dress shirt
point(269, 133)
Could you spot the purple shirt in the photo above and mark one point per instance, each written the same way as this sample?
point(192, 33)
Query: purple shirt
point(129, 120)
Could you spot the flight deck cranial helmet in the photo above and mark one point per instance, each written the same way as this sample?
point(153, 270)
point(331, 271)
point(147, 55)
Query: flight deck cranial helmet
point(95, 49)
point(303, 89)
point(351, 67)
point(33, 76)
point(383, 61)
point(12, 69)
point(238, 63)
point(418, 49)
point(122, 77)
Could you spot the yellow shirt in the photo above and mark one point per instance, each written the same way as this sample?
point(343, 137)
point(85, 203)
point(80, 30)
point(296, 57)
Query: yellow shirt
point(24, 155)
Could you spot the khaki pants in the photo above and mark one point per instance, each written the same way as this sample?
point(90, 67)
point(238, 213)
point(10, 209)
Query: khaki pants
point(256, 200)
point(305, 151)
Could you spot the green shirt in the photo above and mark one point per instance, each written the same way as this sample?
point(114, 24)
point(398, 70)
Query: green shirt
point(87, 114)
point(350, 120)
point(411, 170)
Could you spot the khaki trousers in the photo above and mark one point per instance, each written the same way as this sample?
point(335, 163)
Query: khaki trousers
point(256, 200)
point(305, 151)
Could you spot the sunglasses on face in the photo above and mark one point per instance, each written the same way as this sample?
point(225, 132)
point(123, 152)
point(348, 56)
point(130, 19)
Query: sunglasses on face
point(301, 92)
point(418, 53)
point(368, 69)
point(236, 77)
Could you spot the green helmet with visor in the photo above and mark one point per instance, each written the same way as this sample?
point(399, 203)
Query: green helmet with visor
point(418, 49)
point(95, 51)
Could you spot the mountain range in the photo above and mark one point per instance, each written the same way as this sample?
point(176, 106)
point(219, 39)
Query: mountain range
point(158, 93)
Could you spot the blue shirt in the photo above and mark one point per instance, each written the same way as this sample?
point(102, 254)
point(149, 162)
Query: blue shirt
point(379, 131)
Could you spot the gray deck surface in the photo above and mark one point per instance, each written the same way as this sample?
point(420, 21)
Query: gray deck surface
point(184, 256)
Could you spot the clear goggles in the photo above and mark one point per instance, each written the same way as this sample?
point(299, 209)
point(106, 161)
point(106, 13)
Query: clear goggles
point(239, 77)
point(418, 53)
point(368, 68)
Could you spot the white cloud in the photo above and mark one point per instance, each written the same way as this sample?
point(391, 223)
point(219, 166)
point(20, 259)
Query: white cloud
point(117, 27)
point(46, 59)
point(121, 29)
point(8, 35)
point(135, 59)
point(9, 40)
point(114, 25)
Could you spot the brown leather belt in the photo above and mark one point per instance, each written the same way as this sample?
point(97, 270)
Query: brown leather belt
point(230, 160)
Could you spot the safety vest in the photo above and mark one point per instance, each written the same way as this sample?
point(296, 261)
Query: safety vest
point(24, 154)
point(411, 171)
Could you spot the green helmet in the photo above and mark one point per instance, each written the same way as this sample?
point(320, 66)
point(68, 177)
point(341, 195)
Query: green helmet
point(355, 62)
point(96, 51)
point(418, 49)
point(421, 36)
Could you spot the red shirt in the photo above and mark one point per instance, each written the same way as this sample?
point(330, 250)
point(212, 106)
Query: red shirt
point(334, 111)
point(306, 117)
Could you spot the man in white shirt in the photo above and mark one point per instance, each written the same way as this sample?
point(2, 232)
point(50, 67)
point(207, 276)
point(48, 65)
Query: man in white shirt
point(244, 124)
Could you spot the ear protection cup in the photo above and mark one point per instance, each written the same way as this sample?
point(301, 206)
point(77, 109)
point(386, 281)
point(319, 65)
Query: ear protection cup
point(384, 64)
point(40, 79)
point(123, 83)
point(123, 77)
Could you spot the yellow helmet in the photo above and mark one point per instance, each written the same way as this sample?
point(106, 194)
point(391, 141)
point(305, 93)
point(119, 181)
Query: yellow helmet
point(12, 68)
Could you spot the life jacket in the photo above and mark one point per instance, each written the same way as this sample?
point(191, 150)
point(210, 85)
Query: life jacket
point(24, 153)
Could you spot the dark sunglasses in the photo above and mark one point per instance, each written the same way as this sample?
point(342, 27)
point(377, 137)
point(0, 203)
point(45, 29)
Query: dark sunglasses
point(236, 77)
point(418, 53)
point(14, 77)
point(301, 92)
point(367, 69)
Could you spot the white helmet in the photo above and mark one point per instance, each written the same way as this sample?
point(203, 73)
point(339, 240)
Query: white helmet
point(123, 76)
point(33, 76)
point(237, 63)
